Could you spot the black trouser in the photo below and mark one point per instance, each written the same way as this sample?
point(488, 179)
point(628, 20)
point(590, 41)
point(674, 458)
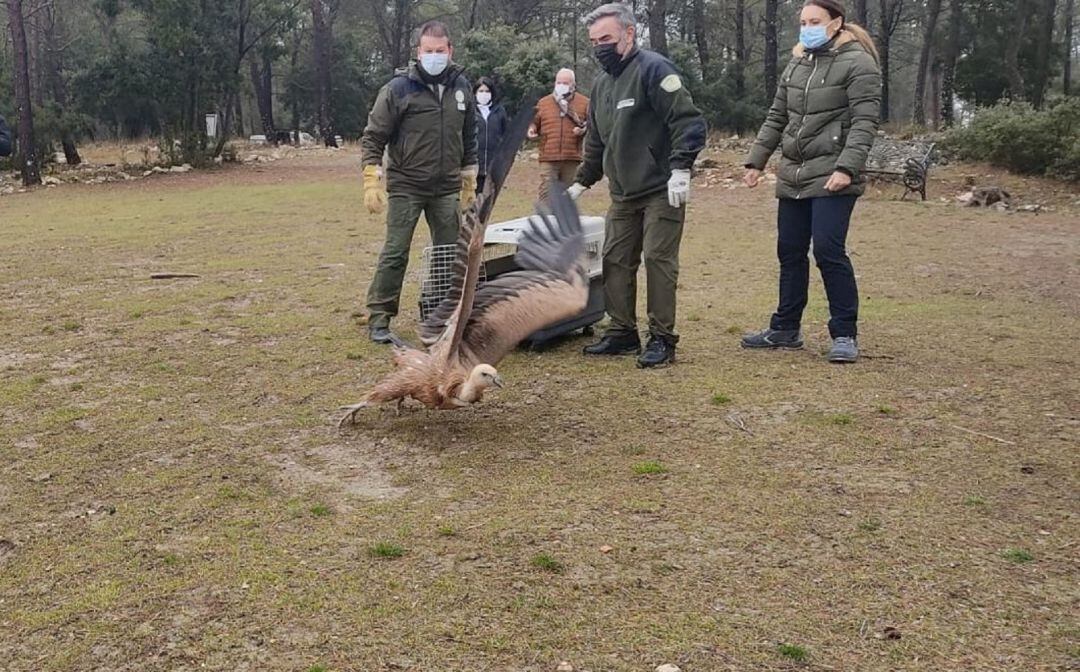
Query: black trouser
point(480, 179)
point(825, 221)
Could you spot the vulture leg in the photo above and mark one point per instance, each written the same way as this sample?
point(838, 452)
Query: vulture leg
point(350, 417)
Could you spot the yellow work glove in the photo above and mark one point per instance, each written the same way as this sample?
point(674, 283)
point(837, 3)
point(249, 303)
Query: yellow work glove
point(468, 186)
point(374, 190)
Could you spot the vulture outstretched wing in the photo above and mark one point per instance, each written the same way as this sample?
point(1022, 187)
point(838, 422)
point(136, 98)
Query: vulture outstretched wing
point(472, 223)
point(552, 285)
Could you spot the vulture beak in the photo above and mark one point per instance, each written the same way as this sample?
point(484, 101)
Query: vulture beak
point(498, 381)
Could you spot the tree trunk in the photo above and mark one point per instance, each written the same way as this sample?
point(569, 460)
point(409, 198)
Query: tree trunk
point(1066, 78)
point(948, 67)
point(294, 93)
point(1044, 44)
point(27, 150)
point(883, 52)
point(321, 42)
point(262, 82)
point(933, 8)
point(891, 11)
point(55, 67)
point(701, 38)
point(225, 125)
point(658, 26)
point(1012, 51)
point(935, 94)
point(861, 16)
point(740, 48)
point(770, 49)
point(239, 117)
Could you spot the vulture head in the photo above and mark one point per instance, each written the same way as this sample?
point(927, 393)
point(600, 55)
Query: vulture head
point(484, 377)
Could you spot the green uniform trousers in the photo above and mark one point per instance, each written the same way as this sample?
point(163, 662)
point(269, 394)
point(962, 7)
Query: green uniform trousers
point(402, 213)
point(650, 225)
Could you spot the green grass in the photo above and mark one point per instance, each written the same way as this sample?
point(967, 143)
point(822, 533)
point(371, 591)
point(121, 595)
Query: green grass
point(387, 550)
point(547, 563)
point(71, 325)
point(649, 467)
point(716, 558)
point(233, 493)
point(870, 525)
point(840, 419)
point(1017, 555)
point(885, 409)
point(719, 399)
point(793, 651)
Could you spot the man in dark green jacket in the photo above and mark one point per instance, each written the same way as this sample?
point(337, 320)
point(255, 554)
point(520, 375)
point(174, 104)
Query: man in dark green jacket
point(644, 134)
point(424, 121)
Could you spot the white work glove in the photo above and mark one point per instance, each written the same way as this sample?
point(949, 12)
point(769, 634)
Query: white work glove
point(678, 188)
point(575, 190)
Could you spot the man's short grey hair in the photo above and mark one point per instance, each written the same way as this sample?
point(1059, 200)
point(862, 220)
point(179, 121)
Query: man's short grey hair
point(617, 9)
point(573, 77)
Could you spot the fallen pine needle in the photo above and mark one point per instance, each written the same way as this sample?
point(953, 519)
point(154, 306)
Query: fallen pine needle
point(985, 436)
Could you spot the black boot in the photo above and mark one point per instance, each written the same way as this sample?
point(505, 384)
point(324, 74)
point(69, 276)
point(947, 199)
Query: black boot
point(627, 344)
point(659, 352)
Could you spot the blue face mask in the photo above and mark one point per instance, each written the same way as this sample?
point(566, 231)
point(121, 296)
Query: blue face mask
point(434, 64)
point(813, 37)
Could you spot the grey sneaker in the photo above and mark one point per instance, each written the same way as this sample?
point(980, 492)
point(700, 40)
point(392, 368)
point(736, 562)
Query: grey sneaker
point(789, 339)
point(845, 350)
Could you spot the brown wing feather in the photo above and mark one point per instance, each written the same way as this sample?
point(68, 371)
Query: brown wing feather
point(551, 286)
point(436, 323)
point(527, 301)
point(433, 327)
point(455, 326)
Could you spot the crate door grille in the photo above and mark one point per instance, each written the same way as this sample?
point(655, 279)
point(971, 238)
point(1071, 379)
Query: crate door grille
point(436, 274)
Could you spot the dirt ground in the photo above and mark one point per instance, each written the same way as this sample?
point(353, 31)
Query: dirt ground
point(174, 494)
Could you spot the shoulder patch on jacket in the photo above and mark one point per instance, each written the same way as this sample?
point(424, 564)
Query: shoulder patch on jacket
point(671, 83)
point(403, 85)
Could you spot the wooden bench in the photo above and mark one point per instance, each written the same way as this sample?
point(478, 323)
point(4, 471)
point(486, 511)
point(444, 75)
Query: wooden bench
point(908, 160)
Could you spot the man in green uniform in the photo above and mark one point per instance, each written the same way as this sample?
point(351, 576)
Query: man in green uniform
point(644, 134)
point(424, 120)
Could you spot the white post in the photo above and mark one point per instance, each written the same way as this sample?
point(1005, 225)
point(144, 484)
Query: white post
point(211, 125)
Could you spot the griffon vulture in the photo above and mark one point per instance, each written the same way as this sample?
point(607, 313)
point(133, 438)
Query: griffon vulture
point(473, 327)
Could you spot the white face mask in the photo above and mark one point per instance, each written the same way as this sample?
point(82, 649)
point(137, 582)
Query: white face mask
point(434, 64)
point(561, 90)
point(483, 97)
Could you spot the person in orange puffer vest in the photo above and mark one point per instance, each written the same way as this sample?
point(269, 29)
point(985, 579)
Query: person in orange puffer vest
point(560, 124)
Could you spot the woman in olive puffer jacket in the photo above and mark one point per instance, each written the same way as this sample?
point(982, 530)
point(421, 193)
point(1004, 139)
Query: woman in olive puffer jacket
point(824, 118)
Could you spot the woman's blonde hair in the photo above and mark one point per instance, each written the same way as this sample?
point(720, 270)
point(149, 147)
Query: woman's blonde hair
point(835, 9)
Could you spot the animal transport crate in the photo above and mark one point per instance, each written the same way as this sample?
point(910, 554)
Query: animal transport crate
point(500, 246)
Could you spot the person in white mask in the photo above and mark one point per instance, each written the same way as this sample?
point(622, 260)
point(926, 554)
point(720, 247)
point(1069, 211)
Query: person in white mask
point(419, 156)
point(492, 123)
point(560, 124)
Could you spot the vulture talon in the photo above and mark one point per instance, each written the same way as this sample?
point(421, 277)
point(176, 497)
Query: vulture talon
point(350, 417)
